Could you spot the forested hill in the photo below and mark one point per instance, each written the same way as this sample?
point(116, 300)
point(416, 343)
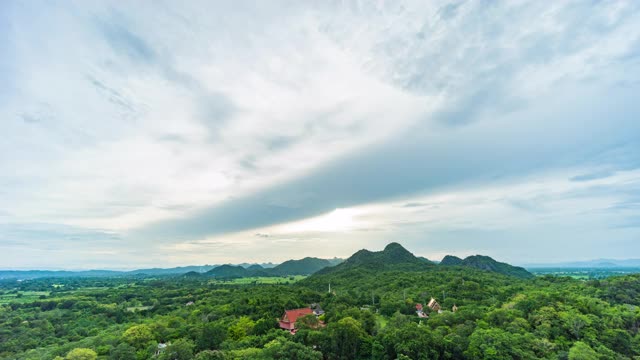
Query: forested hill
point(451, 260)
point(228, 271)
point(396, 257)
point(393, 257)
point(306, 266)
point(487, 264)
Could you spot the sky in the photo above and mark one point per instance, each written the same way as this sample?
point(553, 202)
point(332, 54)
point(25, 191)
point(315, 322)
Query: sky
point(165, 133)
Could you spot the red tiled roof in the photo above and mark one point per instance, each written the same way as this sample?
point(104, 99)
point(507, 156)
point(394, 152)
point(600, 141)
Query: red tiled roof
point(419, 306)
point(293, 315)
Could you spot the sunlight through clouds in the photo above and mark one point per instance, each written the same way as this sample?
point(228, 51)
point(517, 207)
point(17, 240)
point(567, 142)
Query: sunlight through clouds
point(190, 127)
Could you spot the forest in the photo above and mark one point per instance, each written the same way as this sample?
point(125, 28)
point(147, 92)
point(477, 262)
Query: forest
point(369, 313)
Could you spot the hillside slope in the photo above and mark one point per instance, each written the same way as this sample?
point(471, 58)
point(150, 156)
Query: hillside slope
point(306, 266)
point(487, 263)
point(393, 257)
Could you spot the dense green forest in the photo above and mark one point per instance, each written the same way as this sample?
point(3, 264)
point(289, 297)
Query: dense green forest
point(369, 314)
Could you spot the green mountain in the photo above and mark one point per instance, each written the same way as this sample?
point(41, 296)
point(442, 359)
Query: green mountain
point(451, 260)
point(228, 272)
point(487, 264)
point(255, 267)
point(393, 257)
point(306, 266)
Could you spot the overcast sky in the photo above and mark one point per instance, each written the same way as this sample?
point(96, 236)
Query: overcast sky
point(164, 133)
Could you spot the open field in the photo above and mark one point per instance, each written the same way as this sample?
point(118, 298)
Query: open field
point(585, 273)
point(261, 280)
point(22, 296)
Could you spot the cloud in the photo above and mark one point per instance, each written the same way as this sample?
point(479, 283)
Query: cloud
point(592, 176)
point(124, 41)
point(481, 219)
point(182, 122)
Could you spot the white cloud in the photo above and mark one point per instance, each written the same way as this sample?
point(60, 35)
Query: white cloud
point(121, 115)
point(504, 210)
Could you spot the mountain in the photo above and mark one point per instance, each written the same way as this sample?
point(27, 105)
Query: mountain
point(171, 271)
point(229, 272)
point(254, 267)
point(192, 275)
point(597, 263)
point(451, 260)
point(263, 265)
point(487, 264)
point(425, 259)
point(306, 266)
point(393, 257)
point(36, 274)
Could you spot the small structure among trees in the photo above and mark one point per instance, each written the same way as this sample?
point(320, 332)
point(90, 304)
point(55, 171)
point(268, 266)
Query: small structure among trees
point(420, 312)
point(317, 310)
point(433, 305)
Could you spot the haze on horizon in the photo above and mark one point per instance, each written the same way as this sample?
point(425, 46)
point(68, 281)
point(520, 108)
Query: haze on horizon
point(174, 133)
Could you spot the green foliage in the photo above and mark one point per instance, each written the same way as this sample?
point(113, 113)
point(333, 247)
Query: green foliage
point(346, 338)
point(81, 354)
point(138, 336)
point(287, 350)
point(123, 352)
point(210, 336)
point(371, 315)
point(241, 328)
point(210, 355)
point(181, 349)
point(582, 351)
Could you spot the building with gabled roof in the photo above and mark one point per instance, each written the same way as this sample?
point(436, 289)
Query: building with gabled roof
point(289, 318)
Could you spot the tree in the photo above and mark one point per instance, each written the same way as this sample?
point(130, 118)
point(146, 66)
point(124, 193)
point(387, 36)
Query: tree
point(288, 350)
point(307, 322)
point(210, 355)
point(81, 354)
point(138, 336)
point(180, 349)
point(345, 338)
point(264, 325)
point(582, 351)
point(211, 336)
point(123, 352)
point(241, 328)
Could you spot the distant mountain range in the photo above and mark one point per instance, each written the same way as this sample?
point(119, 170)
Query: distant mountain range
point(305, 266)
point(393, 257)
point(597, 263)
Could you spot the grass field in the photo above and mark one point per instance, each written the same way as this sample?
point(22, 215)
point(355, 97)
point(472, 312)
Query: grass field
point(260, 280)
point(22, 297)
